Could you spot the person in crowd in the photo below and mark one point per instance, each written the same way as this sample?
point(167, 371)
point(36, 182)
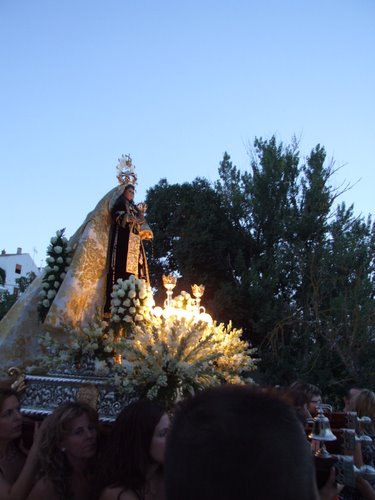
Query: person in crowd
point(313, 393)
point(349, 397)
point(364, 404)
point(300, 401)
point(238, 442)
point(17, 466)
point(67, 450)
point(131, 467)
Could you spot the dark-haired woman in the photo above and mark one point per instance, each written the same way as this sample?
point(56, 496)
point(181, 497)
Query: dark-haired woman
point(132, 464)
point(17, 467)
point(67, 449)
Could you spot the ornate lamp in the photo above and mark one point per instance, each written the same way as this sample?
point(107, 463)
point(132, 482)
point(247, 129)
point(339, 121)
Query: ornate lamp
point(198, 291)
point(321, 432)
point(169, 282)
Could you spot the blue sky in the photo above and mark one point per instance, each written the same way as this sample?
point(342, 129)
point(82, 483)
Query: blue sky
point(175, 84)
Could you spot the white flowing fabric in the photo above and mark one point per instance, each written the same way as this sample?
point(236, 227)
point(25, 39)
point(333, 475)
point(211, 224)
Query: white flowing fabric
point(80, 295)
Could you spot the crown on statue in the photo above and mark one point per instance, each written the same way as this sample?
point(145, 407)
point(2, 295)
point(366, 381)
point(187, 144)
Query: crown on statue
point(126, 171)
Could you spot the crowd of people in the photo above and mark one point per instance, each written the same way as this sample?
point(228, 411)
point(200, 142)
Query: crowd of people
point(227, 442)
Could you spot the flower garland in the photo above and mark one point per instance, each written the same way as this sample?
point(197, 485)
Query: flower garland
point(131, 302)
point(58, 261)
point(91, 348)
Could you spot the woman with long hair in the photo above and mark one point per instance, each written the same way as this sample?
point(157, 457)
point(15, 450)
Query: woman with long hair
point(364, 404)
point(131, 467)
point(17, 466)
point(67, 449)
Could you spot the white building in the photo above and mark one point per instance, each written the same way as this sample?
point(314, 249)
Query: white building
point(16, 265)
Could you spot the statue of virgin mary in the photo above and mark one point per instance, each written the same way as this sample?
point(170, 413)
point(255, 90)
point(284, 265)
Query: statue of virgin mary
point(106, 247)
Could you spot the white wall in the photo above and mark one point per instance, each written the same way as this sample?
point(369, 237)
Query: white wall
point(8, 262)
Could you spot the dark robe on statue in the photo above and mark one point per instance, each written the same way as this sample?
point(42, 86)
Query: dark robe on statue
point(126, 254)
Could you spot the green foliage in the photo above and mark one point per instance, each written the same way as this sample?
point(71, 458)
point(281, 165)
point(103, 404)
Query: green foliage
point(24, 281)
point(2, 276)
point(279, 259)
point(8, 299)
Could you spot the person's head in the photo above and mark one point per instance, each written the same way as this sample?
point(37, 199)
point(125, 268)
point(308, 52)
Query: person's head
point(70, 438)
point(349, 397)
point(129, 192)
point(10, 416)
point(238, 442)
point(313, 393)
point(364, 404)
point(137, 442)
point(300, 401)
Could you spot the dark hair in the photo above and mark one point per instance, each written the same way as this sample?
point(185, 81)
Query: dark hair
point(309, 389)
point(238, 442)
point(54, 464)
point(126, 457)
point(6, 393)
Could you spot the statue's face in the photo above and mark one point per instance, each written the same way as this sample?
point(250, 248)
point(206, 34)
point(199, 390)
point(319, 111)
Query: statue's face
point(129, 193)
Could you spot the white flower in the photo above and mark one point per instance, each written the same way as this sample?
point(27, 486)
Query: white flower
point(45, 303)
point(132, 294)
point(132, 310)
point(51, 294)
point(55, 268)
point(51, 277)
point(57, 249)
point(42, 293)
point(116, 302)
point(138, 317)
point(53, 240)
point(56, 284)
point(116, 318)
point(142, 294)
point(68, 249)
point(50, 260)
point(121, 310)
point(68, 260)
point(127, 303)
point(121, 293)
point(64, 240)
point(45, 284)
point(62, 275)
point(128, 319)
point(59, 260)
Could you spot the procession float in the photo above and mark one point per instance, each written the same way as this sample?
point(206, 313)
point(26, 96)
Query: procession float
point(88, 326)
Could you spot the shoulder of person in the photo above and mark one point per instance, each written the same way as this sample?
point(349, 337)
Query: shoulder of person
point(118, 493)
point(43, 488)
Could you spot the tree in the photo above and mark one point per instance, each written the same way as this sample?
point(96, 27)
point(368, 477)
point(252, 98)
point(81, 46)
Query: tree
point(296, 273)
point(193, 238)
point(2, 276)
point(7, 299)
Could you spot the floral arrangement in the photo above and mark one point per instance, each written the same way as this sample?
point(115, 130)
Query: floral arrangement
point(91, 348)
point(131, 302)
point(58, 261)
point(173, 356)
point(184, 301)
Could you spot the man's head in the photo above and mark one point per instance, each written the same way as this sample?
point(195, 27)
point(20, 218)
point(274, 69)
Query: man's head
point(238, 442)
point(313, 393)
